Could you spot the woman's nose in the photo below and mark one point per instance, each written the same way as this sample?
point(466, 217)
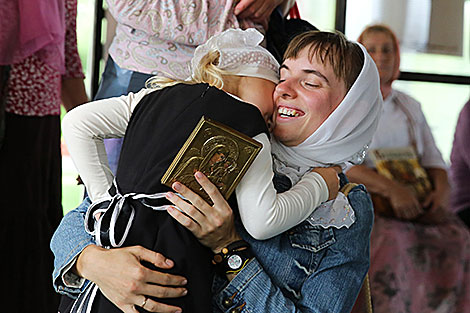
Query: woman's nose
point(285, 89)
point(381, 56)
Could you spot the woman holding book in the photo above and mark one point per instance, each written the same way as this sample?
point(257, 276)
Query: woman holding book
point(233, 79)
point(420, 253)
point(344, 87)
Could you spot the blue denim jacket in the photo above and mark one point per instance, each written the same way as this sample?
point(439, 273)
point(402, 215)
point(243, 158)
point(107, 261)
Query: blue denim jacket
point(297, 271)
point(68, 241)
point(306, 269)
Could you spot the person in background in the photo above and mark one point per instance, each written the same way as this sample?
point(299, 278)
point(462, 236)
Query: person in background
point(460, 167)
point(420, 258)
point(42, 69)
point(159, 38)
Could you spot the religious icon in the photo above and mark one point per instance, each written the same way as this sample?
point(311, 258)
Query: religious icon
point(220, 152)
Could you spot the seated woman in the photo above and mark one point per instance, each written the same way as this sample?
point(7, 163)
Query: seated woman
point(319, 266)
point(327, 80)
point(232, 82)
point(420, 257)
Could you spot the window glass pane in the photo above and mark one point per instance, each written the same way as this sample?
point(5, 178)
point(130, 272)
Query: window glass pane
point(434, 35)
point(441, 104)
point(72, 194)
point(84, 33)
point(320, 13)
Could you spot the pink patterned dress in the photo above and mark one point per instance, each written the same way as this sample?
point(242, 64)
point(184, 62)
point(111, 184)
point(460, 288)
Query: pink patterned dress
point(417, 268)
point(34, 87)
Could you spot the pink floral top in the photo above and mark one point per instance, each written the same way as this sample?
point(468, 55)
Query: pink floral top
point(159, 37)
point(34, 88)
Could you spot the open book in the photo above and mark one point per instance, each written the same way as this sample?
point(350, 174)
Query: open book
point(401, 165)
point(220, 152)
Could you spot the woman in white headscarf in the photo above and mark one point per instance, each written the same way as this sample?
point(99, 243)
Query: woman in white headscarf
point(328, 105)
point(232, 83)
point(260, 219)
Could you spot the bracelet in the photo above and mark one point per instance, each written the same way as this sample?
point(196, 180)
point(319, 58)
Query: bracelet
point(233, 258)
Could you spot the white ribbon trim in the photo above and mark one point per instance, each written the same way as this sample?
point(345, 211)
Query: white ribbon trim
point(116, 204)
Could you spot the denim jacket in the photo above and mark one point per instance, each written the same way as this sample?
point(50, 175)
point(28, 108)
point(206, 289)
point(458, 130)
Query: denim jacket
point(297, 271)
point(68, 241)
point(306, 269)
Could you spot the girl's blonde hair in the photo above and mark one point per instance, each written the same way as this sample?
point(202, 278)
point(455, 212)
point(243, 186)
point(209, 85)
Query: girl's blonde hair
point(207, 72)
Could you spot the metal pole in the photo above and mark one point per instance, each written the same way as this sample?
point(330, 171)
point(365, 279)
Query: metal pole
point(340, 19)
point(97, 48)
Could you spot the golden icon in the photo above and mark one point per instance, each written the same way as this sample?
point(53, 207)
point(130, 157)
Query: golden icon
point(220, 152)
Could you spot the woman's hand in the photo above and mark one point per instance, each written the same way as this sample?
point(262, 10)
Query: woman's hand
point(404, 202)
point(258, 11)
point(435, 205)
point(435, 200)
point(213, 225)
point(123, 279)
point(439, 196)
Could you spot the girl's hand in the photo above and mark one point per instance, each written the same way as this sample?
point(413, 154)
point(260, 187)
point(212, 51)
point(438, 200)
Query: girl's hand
point(330, 175)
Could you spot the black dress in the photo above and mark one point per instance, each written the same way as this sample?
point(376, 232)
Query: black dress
point(30, 202)
point(158, 128)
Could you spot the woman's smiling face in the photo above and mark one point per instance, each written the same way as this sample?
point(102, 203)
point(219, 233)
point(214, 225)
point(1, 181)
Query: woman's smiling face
point(308, 92)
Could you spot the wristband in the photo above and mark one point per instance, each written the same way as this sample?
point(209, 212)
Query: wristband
point(233, 258)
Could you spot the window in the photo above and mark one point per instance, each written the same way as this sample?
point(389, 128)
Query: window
point(433, 40)
point(320, 13)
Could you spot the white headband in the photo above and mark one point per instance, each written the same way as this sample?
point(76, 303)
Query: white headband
point(240, 54)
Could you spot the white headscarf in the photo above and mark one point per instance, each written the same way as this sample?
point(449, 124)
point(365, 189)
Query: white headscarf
point(240, 54)
point(344, 136)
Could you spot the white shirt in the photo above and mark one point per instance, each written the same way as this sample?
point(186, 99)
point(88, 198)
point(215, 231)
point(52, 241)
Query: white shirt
point(393, 130)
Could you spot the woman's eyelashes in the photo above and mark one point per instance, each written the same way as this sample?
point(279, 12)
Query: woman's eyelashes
point(310, 84)
point(307, 83)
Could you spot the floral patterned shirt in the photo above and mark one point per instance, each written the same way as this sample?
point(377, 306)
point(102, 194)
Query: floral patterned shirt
point(159, 37)
point(34, 88)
